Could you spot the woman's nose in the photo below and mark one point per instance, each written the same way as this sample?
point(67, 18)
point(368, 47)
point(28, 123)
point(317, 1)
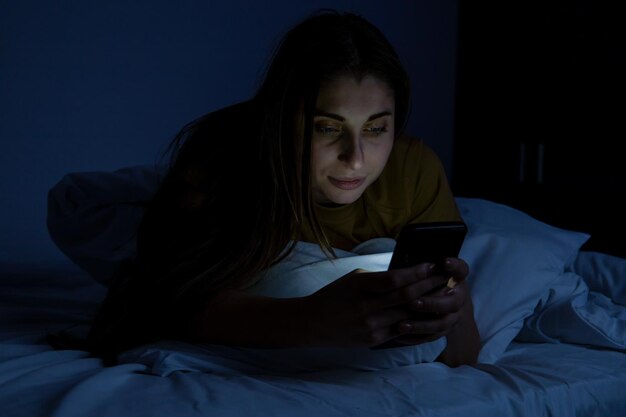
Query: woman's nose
point(352, 152)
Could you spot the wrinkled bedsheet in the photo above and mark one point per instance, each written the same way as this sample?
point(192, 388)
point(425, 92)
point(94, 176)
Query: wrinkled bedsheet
point(172, 378)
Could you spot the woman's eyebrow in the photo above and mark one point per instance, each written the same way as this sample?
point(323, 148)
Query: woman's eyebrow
point(342, 119)
point(329, 115)
point(379, 115)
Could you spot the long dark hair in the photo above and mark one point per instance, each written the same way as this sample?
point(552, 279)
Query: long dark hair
point(238, 190)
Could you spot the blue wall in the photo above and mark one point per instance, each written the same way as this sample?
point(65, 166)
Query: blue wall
point(99, 85)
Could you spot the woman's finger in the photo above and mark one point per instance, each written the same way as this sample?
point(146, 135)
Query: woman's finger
point(405, 295)
point(450, 301)
point(385, 281)
point(457, 269)
point(385, 318)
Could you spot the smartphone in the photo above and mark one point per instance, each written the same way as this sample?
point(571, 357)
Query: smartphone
point(428, 242)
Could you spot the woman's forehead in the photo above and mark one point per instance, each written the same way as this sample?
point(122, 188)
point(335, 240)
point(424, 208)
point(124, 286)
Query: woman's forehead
point(346, 95)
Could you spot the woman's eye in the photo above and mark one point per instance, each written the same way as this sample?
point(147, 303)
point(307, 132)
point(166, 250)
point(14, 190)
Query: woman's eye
point(328, 130)
point(376, 130)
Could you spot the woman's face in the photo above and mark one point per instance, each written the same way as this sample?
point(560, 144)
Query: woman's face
point(353, 134)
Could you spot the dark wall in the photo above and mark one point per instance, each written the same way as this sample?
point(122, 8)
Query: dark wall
point(89, 86)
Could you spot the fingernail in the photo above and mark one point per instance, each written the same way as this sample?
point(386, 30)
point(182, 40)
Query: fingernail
point(419, 303)
point(431, 267)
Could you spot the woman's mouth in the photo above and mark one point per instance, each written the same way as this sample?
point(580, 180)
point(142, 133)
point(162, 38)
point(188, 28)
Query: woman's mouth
point(346, 183)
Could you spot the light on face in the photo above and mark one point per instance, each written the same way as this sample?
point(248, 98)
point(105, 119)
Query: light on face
point(352, 138)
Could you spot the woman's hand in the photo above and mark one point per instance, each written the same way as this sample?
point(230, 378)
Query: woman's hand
point(359, 309)
point(365, 308)
point(446, 312)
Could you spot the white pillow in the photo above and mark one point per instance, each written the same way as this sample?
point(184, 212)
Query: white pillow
point(93, 217)
point(513, 260)
point(587, 309)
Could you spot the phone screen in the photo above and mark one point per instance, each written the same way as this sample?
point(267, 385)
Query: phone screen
point(428, 242)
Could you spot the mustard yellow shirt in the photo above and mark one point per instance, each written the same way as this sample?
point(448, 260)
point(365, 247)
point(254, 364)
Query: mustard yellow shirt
point(412, 188)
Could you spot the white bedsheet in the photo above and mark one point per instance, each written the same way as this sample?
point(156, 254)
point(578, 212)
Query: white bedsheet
point(528, 379)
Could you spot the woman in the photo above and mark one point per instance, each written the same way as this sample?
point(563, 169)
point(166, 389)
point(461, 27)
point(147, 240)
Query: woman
point(316, 155)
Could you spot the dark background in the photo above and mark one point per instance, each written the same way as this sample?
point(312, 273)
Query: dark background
point(98, 85)
point(540, 112)
point(523, 101)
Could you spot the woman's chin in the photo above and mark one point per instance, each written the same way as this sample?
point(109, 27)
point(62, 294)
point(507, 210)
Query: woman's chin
point(341, 199)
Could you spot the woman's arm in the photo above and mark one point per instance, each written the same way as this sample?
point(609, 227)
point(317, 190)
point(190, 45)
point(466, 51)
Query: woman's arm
point(240, 319)
point(463, 339)
point(358, 309)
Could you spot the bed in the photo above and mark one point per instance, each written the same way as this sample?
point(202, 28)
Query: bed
point(552, 320)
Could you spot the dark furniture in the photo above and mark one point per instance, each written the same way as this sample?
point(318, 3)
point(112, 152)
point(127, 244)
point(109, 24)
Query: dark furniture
point(541, 115)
